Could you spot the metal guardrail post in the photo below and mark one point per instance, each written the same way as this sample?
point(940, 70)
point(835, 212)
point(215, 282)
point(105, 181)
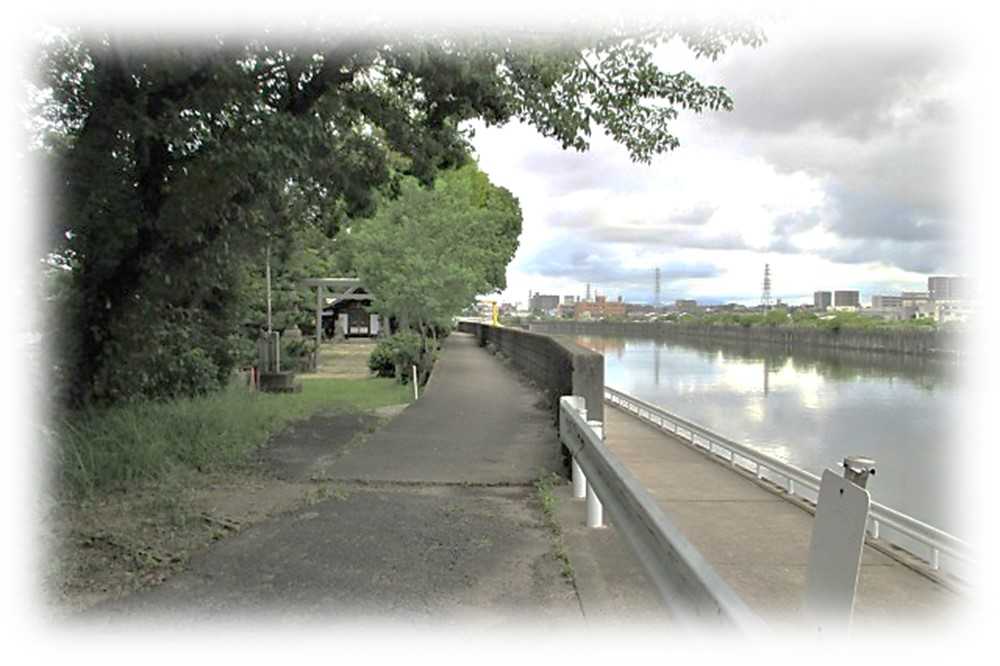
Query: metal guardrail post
point(579, 480)
point(578, 403)
point(595, 510)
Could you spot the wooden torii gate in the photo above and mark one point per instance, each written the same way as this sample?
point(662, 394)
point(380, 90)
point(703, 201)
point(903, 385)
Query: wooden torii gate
point(341, 284)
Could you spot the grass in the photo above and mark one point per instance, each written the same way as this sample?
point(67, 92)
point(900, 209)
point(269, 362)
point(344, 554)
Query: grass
point(543, 490)
point(102, 450)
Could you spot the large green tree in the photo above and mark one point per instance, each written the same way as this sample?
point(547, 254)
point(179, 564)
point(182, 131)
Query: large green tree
point(429, 252)
point(171, 166)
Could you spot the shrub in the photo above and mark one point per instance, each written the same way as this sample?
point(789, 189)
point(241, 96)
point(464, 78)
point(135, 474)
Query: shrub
point(381, 361)
point(398, 352)
point(297, 353)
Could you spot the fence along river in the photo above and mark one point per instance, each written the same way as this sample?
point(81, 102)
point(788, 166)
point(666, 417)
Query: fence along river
point(811, 408)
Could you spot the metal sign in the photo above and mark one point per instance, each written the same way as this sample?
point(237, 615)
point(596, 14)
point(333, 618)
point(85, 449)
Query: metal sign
point(838, 539)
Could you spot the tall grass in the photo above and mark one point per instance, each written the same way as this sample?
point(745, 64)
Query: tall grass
point(98, 450)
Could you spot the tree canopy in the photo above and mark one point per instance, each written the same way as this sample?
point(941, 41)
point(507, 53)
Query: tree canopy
point(429, 252)
point(171, 167)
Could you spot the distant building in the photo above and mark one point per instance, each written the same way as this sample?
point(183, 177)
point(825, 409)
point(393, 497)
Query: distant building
point(822, 300)
point(915, 298)
point(569, 300)
point(347, 314)
point(846, 299)
point(598, 308)
point(887, 302)
point(543, 302)
point(941, 288)
point(686, 305)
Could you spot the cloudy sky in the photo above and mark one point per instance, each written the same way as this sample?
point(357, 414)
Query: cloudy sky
point(837, 167)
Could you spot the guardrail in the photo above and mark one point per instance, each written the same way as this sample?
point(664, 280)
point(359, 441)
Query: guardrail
point(903, 531)
point(689, 586)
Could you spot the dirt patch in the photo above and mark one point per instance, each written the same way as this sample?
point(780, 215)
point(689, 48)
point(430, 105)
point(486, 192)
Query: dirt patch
point(303, 449)
point(111, 545)
point(346, 359)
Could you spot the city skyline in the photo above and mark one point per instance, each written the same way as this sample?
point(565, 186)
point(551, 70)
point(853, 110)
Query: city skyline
point(802, 299)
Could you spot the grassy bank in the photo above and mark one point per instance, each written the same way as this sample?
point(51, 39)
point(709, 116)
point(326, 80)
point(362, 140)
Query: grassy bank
point(102, 450)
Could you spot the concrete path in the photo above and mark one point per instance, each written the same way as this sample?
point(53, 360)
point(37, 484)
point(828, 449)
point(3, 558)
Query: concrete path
point(433, 518)
point(757, 541)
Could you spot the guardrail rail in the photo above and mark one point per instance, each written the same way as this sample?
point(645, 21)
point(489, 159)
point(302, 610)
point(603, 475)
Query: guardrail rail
point(689, 586)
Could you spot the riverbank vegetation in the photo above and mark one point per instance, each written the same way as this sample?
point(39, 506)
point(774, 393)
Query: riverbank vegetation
point(832, 321)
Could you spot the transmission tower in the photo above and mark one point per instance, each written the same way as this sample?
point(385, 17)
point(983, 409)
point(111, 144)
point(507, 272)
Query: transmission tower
point(656, 288)
point(765, 298)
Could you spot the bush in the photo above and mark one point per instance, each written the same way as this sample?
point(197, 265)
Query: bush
point(395, 355)
point(297, 353)
point(381, 361)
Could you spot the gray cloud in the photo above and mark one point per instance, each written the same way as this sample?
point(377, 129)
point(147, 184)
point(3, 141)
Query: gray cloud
point(867, 213)
point(568, 171)
point(865, 116)
point(664, 237)
point(677, 230)
point(585, 261)
point(794, 223)
point(846, 85)
point(917, 256)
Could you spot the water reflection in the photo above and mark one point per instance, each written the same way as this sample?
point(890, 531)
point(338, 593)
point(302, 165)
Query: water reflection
point(809, 408)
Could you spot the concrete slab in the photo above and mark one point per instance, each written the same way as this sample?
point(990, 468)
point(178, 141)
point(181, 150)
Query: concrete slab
point(436, 553)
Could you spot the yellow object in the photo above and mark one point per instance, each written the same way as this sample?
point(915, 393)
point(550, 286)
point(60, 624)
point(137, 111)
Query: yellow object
point(496, 314)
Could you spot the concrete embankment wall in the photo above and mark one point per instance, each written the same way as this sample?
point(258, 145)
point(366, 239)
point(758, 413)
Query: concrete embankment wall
point(917, 341)
point(558, 366)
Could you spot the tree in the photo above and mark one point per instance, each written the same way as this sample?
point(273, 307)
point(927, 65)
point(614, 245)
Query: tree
point(171, 167)
point(426, 254)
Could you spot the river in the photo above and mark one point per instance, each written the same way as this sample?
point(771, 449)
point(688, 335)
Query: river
point(811, 408)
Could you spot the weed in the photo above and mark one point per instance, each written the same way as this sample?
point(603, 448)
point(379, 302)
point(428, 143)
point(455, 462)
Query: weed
point(543, 490)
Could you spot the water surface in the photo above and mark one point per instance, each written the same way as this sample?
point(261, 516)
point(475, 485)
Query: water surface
point(811, 408)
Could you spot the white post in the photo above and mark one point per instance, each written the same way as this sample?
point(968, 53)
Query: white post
point(415, 394)
point(579, 481)
point(595, 510)
point(319, 323)
point(277, 352)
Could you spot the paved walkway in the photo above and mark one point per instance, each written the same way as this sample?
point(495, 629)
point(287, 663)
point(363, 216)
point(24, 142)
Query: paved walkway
point(757, 541)
point(432, 518)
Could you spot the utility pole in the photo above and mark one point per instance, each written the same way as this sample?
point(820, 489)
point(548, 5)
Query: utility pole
point(656, 289)
point(765, 298)
point(268, 270)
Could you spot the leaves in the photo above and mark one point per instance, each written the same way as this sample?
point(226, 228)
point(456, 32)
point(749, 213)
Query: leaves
point(426, 255)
